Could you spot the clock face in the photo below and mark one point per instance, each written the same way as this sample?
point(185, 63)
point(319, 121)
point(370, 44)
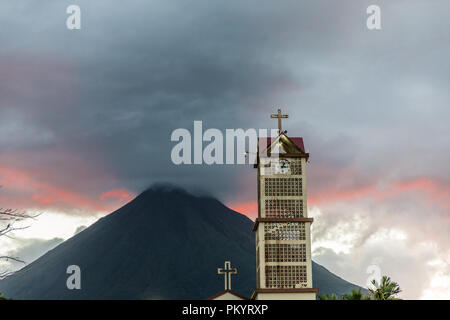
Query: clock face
point(282, 167)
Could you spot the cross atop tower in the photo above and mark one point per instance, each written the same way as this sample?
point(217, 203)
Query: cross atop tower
point(279, 116)
point(227, 271)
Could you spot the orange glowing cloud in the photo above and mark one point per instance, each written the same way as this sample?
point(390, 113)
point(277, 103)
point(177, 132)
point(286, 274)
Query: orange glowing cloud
point(24, 190)
point(333, 195)
point(435, 192)
point(250, 208)
point(120, 194)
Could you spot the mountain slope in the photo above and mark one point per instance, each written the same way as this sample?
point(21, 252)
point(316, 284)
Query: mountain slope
point(165, 244)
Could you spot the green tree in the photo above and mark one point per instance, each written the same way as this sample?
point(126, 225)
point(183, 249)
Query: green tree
point(355, 295)
point(2, 297)
point(385, 290)
point(328, 297)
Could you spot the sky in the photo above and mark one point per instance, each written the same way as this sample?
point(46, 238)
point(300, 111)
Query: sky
point(86, 117)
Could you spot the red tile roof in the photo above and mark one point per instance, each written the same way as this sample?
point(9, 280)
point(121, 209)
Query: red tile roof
point(297, 140)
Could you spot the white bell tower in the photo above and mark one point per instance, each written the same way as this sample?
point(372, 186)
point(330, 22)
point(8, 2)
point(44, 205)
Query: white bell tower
point(283, 238)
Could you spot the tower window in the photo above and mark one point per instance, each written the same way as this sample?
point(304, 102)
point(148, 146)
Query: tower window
point(285, 252)
point(286, 276)
point(284, 208)
point(284, 231)
point(296, 167)
point(276, 187)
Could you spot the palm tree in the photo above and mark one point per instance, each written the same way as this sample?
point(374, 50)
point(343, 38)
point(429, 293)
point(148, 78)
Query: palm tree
point(386, 290)
point(355, 295)
point(328, 297)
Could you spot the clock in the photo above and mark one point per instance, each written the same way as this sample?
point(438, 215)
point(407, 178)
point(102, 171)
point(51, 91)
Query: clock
point(282, 166)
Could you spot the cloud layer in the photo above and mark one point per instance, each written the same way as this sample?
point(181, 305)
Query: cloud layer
point(86, 116)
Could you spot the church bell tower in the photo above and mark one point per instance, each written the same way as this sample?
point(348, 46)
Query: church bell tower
point(283, 238)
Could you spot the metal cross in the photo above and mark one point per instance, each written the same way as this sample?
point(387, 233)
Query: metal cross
point(227, 271)
point(279, 116)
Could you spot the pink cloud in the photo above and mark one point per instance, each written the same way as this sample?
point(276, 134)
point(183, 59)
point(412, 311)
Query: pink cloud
point(436, 191)
point(22, 189)
point(249, 208)
point(119, 194)
point(433, 191)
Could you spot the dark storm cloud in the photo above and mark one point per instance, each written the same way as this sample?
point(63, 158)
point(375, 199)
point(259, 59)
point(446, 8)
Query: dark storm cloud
point(127, 79)
point(116, 89)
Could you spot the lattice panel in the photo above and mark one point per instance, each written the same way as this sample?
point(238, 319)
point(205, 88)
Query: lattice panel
point(296, 167)
point(284, 252)
point(286, 276)
point(284, 208)
point(275, 187)
point(284, 231)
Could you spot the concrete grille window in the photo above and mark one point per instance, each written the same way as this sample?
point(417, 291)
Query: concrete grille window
point(284, 231)
point(296, 167)
point(284, 208)
point(284, 252)
point(277, 187)
point(286, 276)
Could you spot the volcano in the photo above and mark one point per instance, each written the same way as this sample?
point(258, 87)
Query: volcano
point(164, 244)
